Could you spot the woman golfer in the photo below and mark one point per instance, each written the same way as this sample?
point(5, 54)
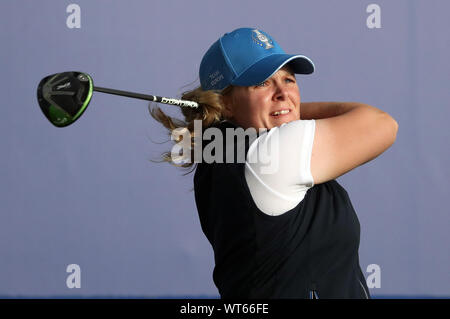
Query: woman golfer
point(289, 231)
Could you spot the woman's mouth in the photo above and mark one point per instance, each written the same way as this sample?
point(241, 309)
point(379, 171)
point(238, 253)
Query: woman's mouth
point(280, 112)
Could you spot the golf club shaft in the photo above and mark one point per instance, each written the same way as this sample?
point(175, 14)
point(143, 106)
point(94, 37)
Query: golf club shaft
point(152, 98)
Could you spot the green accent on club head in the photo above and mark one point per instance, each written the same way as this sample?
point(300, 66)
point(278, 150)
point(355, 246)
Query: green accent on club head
point(88, 98)
point(59, 117)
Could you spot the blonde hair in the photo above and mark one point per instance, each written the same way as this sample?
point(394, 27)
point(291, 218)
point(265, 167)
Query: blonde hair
point(209, 111)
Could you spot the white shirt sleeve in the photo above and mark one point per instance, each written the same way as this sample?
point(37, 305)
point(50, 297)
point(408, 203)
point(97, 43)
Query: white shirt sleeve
point(278, 166)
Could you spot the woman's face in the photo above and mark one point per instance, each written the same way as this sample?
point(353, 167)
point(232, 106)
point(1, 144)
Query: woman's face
point(269, 104)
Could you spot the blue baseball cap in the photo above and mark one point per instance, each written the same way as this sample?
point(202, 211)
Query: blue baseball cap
point(246, 57)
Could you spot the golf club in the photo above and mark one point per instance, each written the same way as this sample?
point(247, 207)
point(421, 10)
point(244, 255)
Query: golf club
point(63, 97)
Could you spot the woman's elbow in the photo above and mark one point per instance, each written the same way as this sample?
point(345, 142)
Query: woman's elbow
point(393, 128)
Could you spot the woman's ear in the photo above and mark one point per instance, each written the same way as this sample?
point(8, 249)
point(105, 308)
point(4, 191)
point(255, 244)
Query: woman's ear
point(227, 106)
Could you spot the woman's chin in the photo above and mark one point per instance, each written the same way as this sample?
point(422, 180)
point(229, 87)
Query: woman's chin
point(280, 120)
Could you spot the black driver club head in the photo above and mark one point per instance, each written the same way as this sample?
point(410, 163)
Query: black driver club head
point(63, 97)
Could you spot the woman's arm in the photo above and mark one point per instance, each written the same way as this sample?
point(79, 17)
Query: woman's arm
point(346, 136)
point(323, 110)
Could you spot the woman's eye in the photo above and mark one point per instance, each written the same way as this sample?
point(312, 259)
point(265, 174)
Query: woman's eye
point(290, 80)
point(262, 84)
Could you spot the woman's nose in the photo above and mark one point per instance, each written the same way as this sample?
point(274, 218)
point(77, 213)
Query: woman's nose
point(280, 92)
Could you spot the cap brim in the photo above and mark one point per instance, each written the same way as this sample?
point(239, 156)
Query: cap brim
point(265, 68)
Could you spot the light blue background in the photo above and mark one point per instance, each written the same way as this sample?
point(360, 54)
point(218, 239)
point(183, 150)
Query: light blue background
point(89, 195)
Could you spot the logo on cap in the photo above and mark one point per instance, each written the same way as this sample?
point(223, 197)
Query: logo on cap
point(261, 39)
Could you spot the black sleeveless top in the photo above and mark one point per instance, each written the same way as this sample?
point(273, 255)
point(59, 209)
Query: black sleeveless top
point(311, 251)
